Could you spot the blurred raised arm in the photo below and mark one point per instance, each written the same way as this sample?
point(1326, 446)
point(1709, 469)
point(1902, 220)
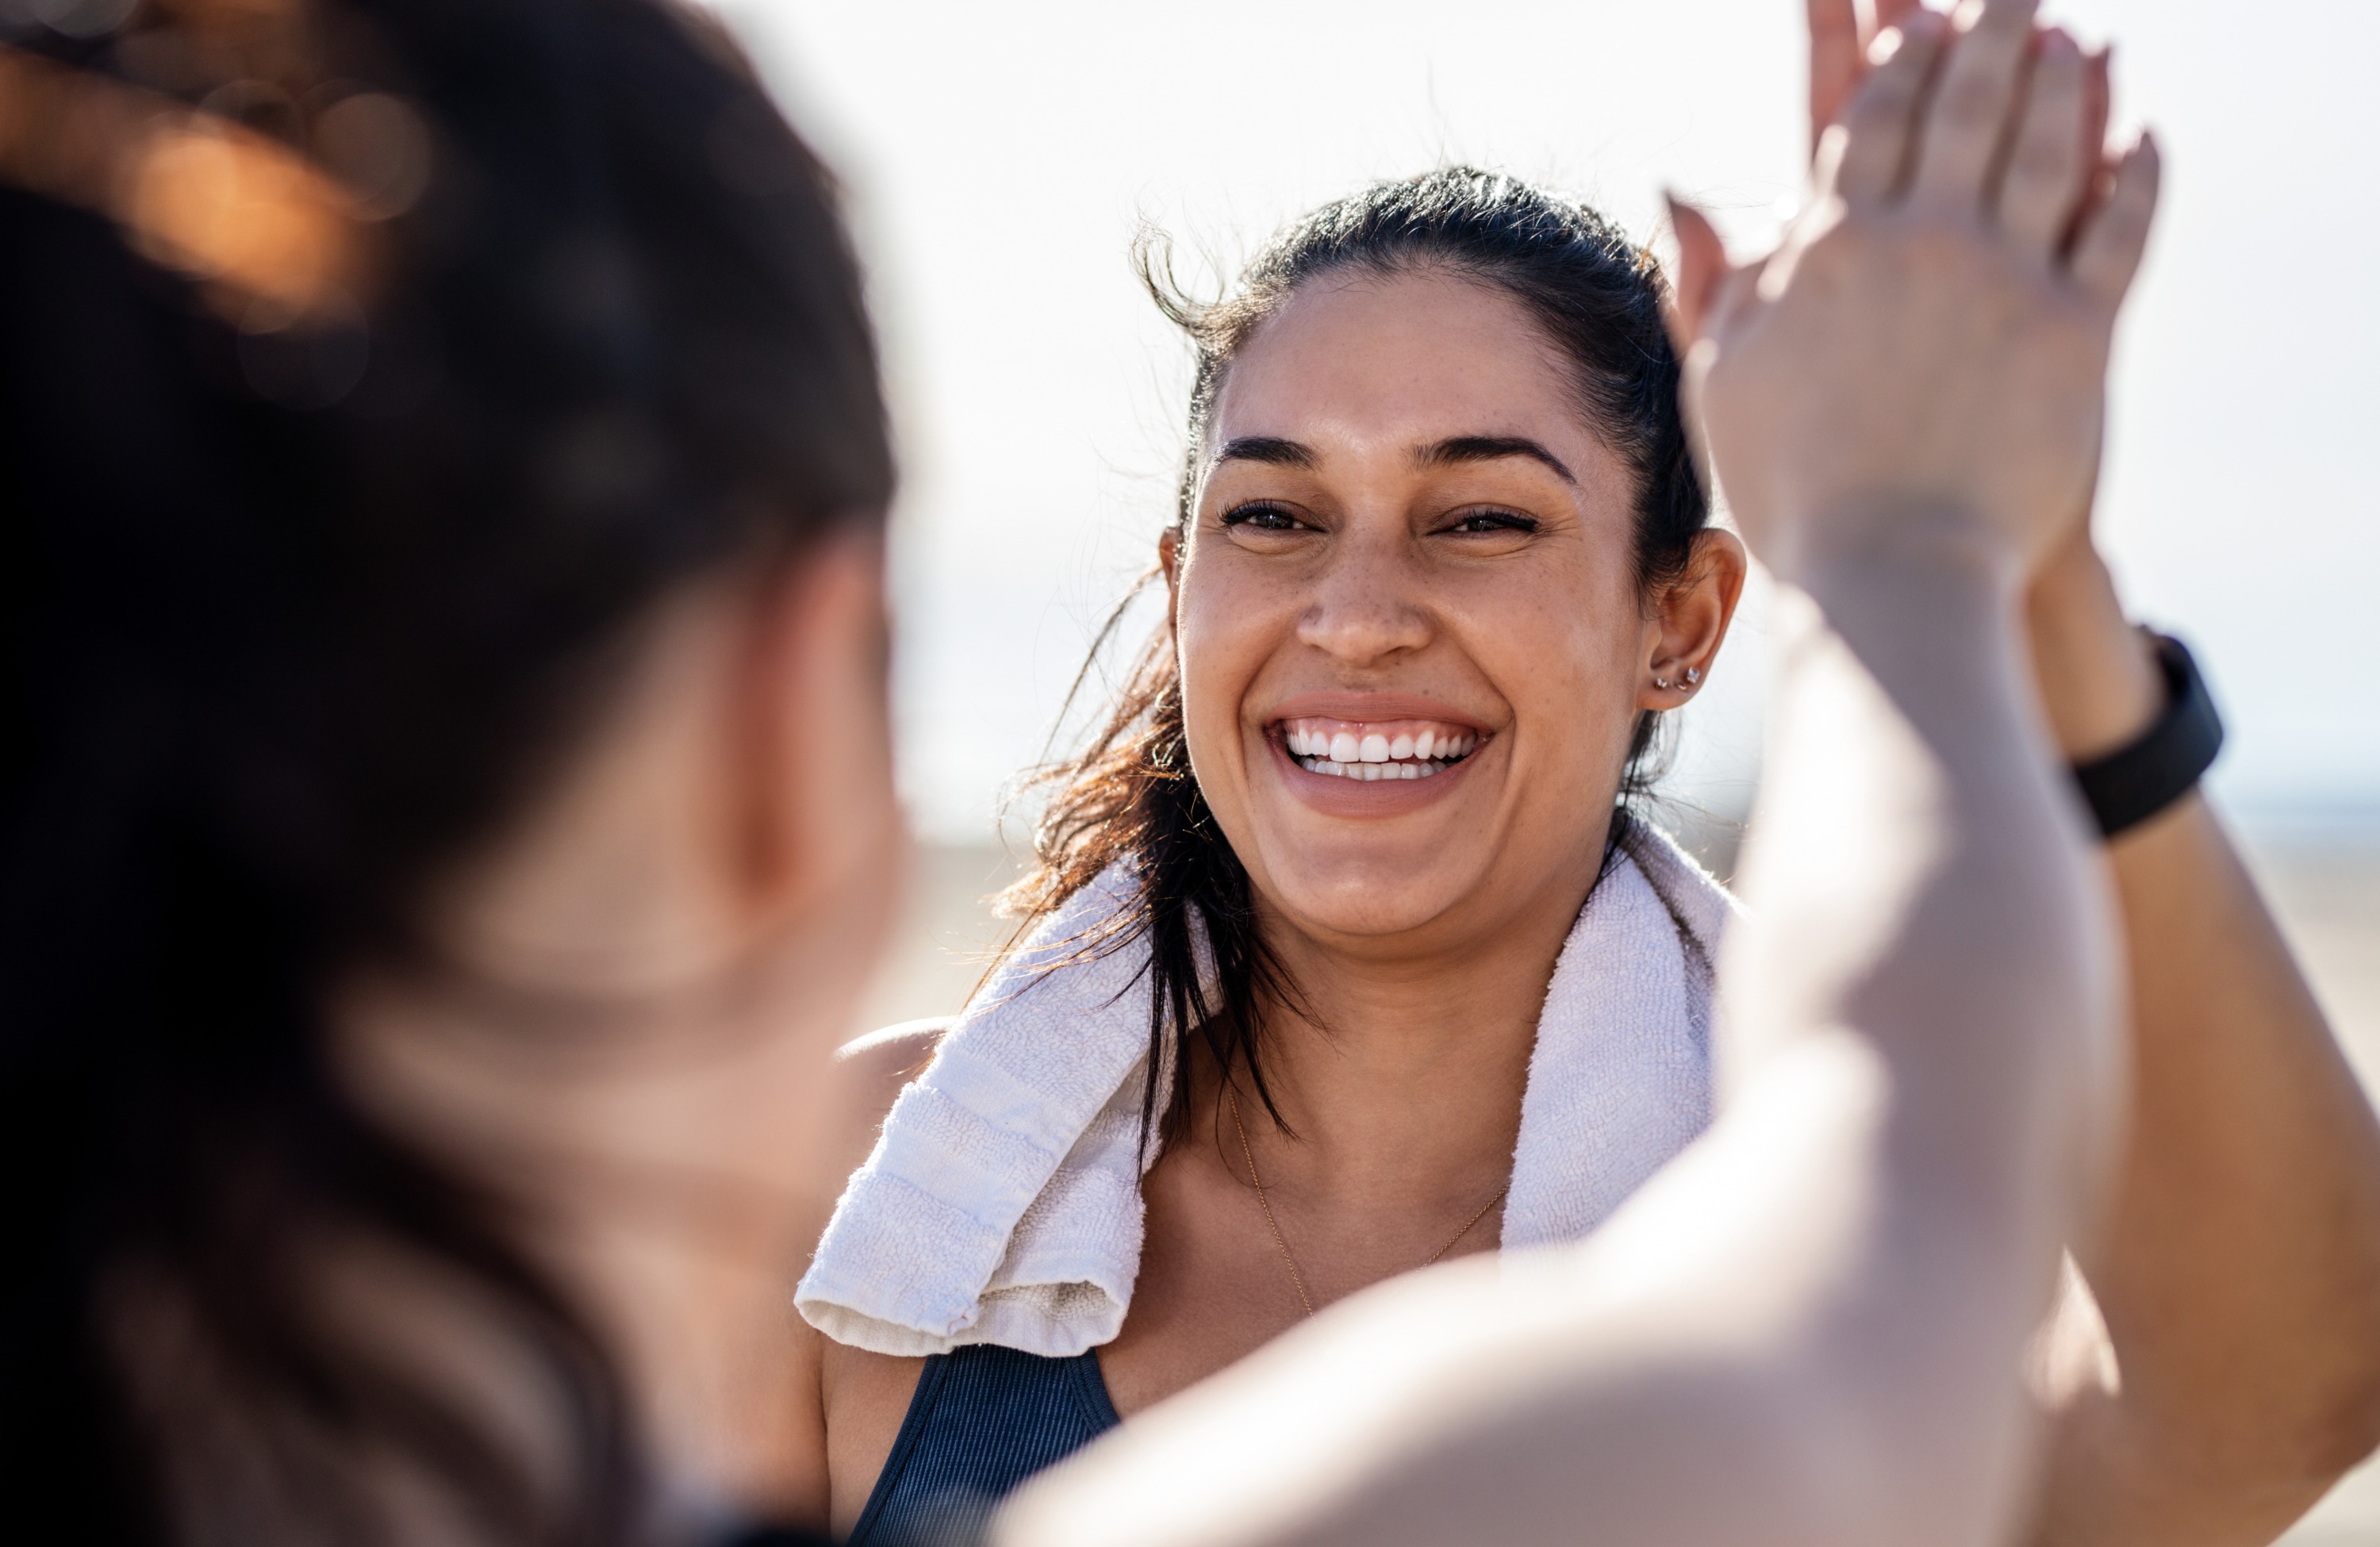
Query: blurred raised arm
point(2238, 1271)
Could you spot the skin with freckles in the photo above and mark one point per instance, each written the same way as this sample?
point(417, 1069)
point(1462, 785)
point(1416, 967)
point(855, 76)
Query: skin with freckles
point(1339, 554)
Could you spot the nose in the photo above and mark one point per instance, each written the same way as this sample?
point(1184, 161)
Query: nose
point(1366, 605)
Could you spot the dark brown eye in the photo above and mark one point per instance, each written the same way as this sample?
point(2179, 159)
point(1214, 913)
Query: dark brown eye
point(1472, 521)
point(1261, 516)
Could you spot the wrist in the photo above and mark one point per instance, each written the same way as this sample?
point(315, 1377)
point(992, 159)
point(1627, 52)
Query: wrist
point(2098, 679)
point(1925, 614)
point(1930, 549)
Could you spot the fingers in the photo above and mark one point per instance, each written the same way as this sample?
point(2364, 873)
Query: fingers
point(2107, 252)
point(1835, 61)
point(1892, 13)
point(1972, 107)
point(1879, 127)
point(1702, 270)
point(2099, 101)
point(2046, 172)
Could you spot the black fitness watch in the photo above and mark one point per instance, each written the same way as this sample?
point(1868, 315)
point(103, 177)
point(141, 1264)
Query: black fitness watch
point(2135, 782)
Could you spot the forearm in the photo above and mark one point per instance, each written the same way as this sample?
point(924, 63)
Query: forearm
point(2239, 1267)
point(1991, 1006)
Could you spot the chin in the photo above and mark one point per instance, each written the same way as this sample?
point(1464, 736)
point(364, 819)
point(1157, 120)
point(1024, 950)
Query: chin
point(1368, 895)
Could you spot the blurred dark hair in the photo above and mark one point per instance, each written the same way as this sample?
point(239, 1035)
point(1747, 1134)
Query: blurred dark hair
point(1130, 795)
point(298, 605)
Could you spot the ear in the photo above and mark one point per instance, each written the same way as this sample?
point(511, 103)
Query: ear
point(738, 785)
point(1168, 559)
point(811, 817)
point(1691, 618)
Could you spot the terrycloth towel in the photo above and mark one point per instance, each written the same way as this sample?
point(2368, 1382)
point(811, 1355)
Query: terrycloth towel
point(1003, 1203)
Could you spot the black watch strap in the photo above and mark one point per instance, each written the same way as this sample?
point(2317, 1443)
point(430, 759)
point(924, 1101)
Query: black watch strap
point(2134, 783)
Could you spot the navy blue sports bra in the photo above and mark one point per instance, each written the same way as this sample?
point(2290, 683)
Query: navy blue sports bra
point(983, 1418)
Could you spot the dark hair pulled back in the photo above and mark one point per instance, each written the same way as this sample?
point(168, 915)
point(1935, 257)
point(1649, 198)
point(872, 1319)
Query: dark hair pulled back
point(1130, 795)
point(292, 613)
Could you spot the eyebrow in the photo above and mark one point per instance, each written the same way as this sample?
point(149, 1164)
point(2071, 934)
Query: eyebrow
point(1269, 449)
point(1490, 449)
point(1274, 451)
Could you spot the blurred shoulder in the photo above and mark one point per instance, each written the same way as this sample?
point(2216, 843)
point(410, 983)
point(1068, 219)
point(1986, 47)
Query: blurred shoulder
point(887, 1058)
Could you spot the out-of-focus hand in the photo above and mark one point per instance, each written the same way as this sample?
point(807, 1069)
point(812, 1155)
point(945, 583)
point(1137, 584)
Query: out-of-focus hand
point(2095, 674)
point(1931, 338)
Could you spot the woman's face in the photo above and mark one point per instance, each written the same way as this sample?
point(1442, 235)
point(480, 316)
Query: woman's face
point(1413, 650)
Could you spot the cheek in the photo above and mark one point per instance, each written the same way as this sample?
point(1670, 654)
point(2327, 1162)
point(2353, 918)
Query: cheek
point(1225, 630)
point(1565, 658)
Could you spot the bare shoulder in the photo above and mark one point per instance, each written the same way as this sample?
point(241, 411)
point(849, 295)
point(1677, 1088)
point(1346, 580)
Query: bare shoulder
point(889, 1057)
point(862, 1397)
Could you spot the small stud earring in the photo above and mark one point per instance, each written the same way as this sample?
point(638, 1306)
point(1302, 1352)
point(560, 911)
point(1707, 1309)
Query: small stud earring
point(1662, 683)
point(1693, 674)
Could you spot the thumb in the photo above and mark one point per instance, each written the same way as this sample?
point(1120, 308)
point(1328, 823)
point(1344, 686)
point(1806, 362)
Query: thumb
point(1703, 269)
point(1697, 301)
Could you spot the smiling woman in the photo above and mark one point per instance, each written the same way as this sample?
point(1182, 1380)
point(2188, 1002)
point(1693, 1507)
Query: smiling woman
point(1441, 562)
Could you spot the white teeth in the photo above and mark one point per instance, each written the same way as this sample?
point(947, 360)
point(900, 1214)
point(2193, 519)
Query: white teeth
point(1368, 772)
point(1373, 755)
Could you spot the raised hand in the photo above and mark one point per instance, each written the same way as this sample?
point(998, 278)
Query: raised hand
point(1931, 338)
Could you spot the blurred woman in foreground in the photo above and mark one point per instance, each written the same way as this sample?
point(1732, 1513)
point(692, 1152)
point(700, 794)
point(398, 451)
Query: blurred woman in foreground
point(446, 796)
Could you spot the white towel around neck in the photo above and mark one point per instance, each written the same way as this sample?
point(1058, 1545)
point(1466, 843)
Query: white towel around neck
point(1002, 1204)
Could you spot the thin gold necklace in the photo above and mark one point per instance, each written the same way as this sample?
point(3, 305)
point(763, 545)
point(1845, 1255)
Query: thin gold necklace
point(1298, 1279)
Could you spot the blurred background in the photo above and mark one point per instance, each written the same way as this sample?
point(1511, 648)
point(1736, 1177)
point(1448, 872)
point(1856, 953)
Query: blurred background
point(1000, 160)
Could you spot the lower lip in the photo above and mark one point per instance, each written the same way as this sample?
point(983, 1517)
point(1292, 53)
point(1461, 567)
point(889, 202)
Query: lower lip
point(1335, 795)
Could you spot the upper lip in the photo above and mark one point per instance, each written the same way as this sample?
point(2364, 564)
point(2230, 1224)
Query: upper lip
point(1362, 707)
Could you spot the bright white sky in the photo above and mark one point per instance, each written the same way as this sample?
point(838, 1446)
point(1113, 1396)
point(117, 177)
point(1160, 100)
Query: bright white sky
point(1000, 158)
